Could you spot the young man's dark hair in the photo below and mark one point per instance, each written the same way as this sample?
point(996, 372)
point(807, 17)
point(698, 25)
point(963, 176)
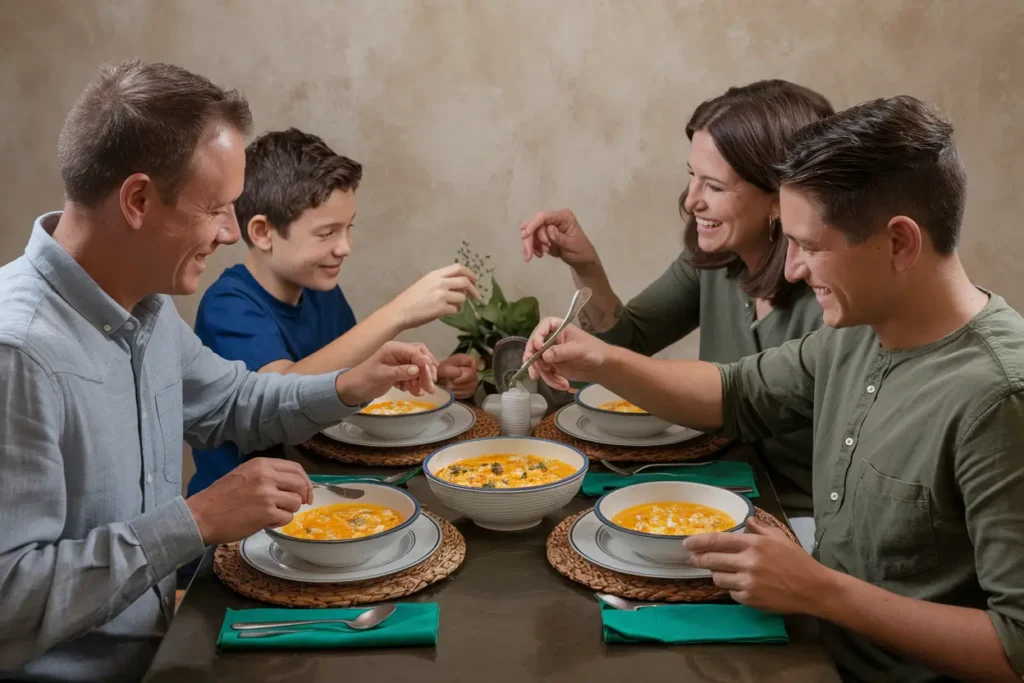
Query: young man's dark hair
point(884, 158)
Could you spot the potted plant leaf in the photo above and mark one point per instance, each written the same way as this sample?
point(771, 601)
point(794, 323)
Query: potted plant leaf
point(481, 324)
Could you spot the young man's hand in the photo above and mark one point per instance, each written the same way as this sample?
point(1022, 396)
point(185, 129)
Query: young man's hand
point(762, 568)
point(439, 293)
point(574, 355)
point(458, 374)
point(410, 367)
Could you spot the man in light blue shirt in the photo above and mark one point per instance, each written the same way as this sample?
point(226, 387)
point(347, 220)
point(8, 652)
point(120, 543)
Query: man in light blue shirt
point(100, 380)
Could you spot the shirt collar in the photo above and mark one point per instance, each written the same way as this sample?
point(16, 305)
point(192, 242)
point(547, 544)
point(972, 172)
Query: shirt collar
point(72, 283)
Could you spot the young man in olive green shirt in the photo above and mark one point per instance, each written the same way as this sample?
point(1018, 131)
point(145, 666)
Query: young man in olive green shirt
point(686, 297)
point(915, 391)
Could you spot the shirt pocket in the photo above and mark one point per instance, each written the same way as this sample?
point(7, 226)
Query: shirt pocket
point(893, 526)
point(170, 419)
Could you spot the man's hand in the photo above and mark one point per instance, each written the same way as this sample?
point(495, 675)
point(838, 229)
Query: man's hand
point(762, 568)
point(458, 374)
point(410, 367)
point(574, 356)
point(259, 493)
point(436, 294)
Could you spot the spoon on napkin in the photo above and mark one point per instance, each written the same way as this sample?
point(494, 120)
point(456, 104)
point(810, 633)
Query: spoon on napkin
point(367, 620)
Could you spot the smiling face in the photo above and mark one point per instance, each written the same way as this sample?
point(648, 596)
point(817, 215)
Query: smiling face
point(317, 243)
point(731, 213)
point(851, 282)
point(178, 238)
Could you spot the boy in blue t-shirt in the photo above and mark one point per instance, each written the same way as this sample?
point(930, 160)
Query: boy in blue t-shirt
point(282, 310)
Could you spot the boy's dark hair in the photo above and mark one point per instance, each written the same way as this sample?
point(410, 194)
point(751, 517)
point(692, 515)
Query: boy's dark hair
point(141, 117)
point(287, 172)
point(887, 157)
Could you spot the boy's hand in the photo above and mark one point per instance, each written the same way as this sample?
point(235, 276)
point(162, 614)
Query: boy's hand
point(458, 374)
point(408, 366)
point(436, 294)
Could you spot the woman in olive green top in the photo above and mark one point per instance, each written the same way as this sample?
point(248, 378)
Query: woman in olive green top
point(730, 279)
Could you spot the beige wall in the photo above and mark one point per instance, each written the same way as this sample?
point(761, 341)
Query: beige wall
point(468, 116)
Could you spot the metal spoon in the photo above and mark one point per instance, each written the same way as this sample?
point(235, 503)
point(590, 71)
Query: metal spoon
point(636, 470)
point(579, 300)
point(393, 480)
point(626, 473)
point(624, 604)
point(367, 620)
point(342, 491)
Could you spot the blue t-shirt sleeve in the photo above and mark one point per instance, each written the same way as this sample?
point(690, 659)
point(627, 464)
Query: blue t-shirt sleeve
point(237, 328)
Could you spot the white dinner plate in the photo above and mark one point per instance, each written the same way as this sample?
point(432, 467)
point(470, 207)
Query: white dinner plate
point(419, 542)
point(572, 420)
point(454, 420)
point(589, 538)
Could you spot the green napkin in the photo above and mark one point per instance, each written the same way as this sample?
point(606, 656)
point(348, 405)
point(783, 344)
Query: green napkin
point(719, 473)
point(413, 623)
point(701, 623)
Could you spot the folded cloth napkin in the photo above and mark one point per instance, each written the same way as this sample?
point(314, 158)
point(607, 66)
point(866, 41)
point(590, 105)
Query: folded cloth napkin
point(413, 623)
point(720, 473)
point(686, 623)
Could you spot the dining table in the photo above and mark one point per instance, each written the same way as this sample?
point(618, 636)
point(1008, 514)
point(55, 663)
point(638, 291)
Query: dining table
point(506, 615)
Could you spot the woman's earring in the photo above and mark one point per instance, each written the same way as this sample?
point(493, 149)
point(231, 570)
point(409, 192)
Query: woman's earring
point(772, 222)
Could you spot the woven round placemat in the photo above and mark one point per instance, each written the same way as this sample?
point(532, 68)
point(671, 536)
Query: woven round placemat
point(577, 568)
point(232, 570)
point(693, 449)
point(486, 426)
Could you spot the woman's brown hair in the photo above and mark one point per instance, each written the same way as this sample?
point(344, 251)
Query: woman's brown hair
point(751, 126)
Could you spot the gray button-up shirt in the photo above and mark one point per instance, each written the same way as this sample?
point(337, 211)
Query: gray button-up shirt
point(95, 403)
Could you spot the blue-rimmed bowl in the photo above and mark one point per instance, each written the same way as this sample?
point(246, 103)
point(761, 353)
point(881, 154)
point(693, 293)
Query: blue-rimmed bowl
point(353, 551)
point(663, 548)
point(630, 425)
point(506, 509)
point(402, 426)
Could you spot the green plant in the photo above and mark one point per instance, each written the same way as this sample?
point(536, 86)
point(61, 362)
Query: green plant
point(481, 325)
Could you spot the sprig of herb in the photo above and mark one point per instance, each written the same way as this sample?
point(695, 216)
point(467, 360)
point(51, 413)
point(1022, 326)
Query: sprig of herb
point(481, 325)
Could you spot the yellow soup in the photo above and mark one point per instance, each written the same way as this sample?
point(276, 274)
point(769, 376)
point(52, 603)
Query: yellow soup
point(397, 407)
point(342, 521)
point(621, 407)
point(506, 471)
point(674, 519)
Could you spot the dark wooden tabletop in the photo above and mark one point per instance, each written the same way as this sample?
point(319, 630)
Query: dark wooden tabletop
point(506, 616)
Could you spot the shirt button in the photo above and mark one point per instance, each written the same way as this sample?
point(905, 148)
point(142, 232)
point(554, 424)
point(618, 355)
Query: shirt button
point(833, 496)
point(747, 304)
point(149, 479)
point(107, 328)
point(129, 326)
point(849, 441)
point(871, 389)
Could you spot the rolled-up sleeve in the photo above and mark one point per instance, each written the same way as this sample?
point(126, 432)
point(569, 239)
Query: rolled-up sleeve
point(990, 473)
point(52, 589)
point(771, 393)
point(223, 401)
